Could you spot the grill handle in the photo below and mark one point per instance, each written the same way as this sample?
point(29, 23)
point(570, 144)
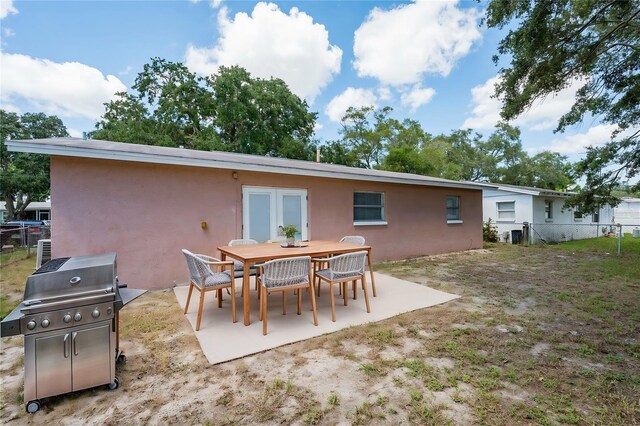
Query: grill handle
point(67, 303)
point(66, 346)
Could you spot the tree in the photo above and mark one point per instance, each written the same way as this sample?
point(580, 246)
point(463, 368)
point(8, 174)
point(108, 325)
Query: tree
point(258, 116)
point(557, 43)
point(228, 111)
point(25, 177)
point(366, 131)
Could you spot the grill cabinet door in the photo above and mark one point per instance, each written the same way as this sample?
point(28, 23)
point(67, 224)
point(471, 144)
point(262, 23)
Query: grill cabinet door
point(91, 357)
point(53, 365)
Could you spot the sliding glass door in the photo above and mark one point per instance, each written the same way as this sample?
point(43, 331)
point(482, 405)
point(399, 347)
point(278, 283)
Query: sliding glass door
point(265, 209)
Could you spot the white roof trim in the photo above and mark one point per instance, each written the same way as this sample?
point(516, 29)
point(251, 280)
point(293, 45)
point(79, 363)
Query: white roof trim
point(183, 157)
point(526, 191)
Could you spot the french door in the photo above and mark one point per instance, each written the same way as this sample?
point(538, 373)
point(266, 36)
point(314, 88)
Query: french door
point(265, 209)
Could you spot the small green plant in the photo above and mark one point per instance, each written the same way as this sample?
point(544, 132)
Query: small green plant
point(289, 231)
point(489, 232)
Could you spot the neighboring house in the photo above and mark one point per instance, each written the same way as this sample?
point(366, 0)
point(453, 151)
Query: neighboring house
point(35, 211)
point(148, 202)
point(627, 213)
point(510, 206)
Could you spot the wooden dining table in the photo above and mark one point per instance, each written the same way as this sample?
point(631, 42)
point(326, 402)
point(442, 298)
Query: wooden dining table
point(253, 253)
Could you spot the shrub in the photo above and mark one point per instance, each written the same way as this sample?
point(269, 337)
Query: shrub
point(489, 231)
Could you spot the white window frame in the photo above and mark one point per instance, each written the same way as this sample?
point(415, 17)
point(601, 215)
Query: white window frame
point(382, 210)
point(276, 210)
point(577, 212)
point(459, 219)
point(550, 216)
point(498, 211)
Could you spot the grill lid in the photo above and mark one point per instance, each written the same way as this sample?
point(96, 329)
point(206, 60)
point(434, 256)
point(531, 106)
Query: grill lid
point(68, 278)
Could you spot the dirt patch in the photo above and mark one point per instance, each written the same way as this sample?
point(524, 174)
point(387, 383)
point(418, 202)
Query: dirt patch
point(540, 336)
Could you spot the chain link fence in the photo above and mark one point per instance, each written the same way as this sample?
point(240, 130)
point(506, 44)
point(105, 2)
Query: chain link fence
point(608, 236)
point(14, 237)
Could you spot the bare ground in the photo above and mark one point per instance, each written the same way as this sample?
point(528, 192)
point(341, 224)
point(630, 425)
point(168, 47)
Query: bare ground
point(540, 336)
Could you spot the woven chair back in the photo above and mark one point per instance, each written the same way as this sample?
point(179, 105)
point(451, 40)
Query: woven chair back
point(349, 263)
point(242, 242)
point(353, 239)
point(286, 272)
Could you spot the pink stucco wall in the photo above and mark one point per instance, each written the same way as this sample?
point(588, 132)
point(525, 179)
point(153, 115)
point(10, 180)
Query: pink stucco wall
point(148, 212)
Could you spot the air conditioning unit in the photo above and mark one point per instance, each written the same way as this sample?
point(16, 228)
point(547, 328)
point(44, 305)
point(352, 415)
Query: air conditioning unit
point(43, 254)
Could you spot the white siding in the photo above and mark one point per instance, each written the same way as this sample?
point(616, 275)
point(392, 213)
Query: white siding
point(523, 207)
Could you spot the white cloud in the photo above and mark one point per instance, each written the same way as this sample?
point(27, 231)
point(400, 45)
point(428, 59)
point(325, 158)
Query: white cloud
point(68, 89)
point(384, 93)
point(74, 133)
point(214, 4)
point(270, 43)
point(7, 8)
point(126, 71)
point(351, 97)
point(417, 96)
point(578, 143)
point(401, 45)
point(8, 32)
point(542, 115)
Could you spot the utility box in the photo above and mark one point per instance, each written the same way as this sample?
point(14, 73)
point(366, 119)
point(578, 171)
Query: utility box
point(516, 236)
point(636, 232)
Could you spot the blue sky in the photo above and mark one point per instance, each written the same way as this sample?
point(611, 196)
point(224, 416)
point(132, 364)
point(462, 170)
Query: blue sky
point(430, 61)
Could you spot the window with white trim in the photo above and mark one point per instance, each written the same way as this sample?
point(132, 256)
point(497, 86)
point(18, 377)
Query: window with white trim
point(548, 210)
point(368, 207)
point(453, 208)
point(577, 215)
point(506, 210)
point(596, 217)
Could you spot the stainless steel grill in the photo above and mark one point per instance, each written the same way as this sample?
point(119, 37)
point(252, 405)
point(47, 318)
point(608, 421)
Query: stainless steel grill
point(69, 318)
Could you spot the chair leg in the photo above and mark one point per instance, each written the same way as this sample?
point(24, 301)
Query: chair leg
point(366, 296)
point(233, 300)
point(219, 291)
point(313, 307)
point(299, 301)
point(260, 302)
point(343, 288)
point(333, 303)
point(186, 308)
point(319, 286)
point(200, 310)
point(284, 302)
point(264, 311)
point(355, 293)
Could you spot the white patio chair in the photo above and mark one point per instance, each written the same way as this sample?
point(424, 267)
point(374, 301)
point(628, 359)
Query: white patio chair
point(342, 269)
point(292, 273)
point(204, 279)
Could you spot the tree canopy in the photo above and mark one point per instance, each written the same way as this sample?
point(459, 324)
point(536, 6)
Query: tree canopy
point(553, 44)
point(25, 177)
point(227, 111)
point(372, 138)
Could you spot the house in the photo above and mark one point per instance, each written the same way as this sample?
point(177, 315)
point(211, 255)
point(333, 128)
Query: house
point(510, 207)
point(36, 210)
point(148, 202)
point(627, 213)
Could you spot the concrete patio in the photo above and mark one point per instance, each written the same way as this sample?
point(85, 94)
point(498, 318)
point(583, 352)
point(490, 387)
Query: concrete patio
point(221, 340)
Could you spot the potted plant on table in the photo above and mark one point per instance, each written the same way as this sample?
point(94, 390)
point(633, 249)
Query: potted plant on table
point(289, 232)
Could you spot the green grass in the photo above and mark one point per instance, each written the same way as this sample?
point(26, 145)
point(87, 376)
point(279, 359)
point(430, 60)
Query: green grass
point(628, 245)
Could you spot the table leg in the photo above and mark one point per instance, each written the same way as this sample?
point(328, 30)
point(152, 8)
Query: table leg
point(373, 282)
point(246, 296)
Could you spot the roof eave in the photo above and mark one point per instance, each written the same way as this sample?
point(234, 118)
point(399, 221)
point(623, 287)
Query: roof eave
point(98, 153)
